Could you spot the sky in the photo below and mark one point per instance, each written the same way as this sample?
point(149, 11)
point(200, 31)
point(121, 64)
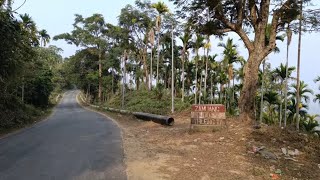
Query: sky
point(57, 16)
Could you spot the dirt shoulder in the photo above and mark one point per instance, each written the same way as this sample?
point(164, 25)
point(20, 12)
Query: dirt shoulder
point(158, 152)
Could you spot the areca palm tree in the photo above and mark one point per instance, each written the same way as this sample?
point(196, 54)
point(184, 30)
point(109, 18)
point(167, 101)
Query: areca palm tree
point(230, 57)
point(29, 26)
point(272, 98)
point(161, 8)
point(310, 123)
point(292, 110)
point(44, 37)
point(317, 96)
point(289, 37)
point(282, 73)
point(185, 38)
point(197, 44)
point(207, 47)
point(303, 91)
point(275, 50)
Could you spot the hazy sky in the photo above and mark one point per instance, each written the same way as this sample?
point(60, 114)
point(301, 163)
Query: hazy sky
point(57, 16)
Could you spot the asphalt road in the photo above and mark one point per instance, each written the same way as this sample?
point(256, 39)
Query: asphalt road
point(73, 144)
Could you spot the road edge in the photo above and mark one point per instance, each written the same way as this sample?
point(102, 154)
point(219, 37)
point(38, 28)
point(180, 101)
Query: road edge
point(80, 102)
point(46, 118)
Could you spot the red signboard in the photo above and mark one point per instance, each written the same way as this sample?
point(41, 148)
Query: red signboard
point(208, 115)
point(208, 108)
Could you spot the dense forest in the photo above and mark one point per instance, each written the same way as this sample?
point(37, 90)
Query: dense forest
point(136, 63)
point(32, 74)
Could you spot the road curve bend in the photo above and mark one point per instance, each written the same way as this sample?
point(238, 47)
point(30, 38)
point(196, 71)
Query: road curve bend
point(72, 144)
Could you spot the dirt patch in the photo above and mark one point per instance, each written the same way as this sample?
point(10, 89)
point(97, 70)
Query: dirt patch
point(303, 159)
point(158, 152)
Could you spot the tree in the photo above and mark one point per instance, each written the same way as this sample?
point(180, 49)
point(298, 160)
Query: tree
point(161, 8)
point(197, 44)
point(89, 32)
point(310, 124)
point(207, 48)
point(272, 98)
point(29, 26)
point(239, 17)
point(317, 96)
point(302, 91)
point(44, 37)
point(185, 38)
point(282, 73)
point(230, 57)
point(298, 97)
point(289, 36)
point(138, 22)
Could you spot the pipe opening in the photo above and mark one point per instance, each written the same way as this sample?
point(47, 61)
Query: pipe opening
point(170, 122)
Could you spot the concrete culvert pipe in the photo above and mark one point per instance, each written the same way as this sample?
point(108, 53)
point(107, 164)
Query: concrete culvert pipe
point(164, 120)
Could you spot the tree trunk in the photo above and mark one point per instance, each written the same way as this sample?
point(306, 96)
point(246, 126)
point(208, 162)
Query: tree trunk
point(124, 79)
point(262, 92)
point(196, 86)
point(151, 66)
point(145, 66)
point(250, 86)
point(206, 75)
point(22, 90)
point(298, 99)
point(286, 89)
point(228, 103)
point(200, 88)
point(280, 114)
point(211, 91)
point(172, 74)
point(182, 74)
point(232, 100)
point(100, 77)
point(158, 57)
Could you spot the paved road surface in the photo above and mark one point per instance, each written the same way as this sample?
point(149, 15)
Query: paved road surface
point(73, 144)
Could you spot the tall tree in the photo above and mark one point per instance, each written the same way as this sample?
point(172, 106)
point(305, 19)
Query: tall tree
point(137, 20)
point(289, 37)
point(89, 32)
point(44, 37)
point(161, 8)
point(197, 44)
point(186, 44)
point(298, 97)
point(230, 56)
point(242, 17)
point(207, 48)
point(280, 73)
point(302, 91)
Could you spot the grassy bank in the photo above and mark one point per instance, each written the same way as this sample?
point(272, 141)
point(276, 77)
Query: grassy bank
point(155, 101)
point(15, 115)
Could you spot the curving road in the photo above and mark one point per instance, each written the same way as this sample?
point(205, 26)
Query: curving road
point(73, 144)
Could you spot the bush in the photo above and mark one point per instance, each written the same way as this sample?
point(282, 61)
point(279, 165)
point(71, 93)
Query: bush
point(157, 101)
point(15, 114)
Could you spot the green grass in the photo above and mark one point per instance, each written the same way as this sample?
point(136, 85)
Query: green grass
point(155, 102)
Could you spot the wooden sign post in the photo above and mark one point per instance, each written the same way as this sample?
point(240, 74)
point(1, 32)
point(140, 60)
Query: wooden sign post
point(208, 116)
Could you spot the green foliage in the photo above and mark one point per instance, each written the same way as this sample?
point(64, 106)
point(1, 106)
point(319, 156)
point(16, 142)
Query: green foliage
point(15, 114)
point(148, 101)
point(28, 73)
point(39, 89)
point(309, 123)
